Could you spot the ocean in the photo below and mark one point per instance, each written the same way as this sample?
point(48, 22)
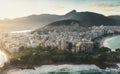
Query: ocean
point(112, 42)
point(68, 69)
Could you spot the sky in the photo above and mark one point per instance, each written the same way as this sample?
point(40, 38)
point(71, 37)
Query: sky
point(20, 8)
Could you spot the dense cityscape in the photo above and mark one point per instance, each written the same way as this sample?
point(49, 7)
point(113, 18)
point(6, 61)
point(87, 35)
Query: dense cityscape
point(60, 37)
point(76, 41)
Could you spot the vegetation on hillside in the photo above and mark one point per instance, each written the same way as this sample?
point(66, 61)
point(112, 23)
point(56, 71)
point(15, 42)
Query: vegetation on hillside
point(64, 22)
point(49, 55)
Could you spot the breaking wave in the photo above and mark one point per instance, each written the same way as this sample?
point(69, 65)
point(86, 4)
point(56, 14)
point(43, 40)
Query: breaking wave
point(68, 69)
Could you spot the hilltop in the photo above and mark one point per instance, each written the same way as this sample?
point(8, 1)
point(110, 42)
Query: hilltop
point(86, 19)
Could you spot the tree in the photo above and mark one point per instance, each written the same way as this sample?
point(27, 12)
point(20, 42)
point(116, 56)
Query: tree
point(104, 49)
point(117, 50)
point(21, 48)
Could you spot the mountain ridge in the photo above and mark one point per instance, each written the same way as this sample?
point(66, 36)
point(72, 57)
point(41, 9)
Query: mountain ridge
point(36, 21)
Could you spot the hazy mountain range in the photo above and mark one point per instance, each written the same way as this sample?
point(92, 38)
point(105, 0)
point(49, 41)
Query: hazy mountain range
point(36, 21)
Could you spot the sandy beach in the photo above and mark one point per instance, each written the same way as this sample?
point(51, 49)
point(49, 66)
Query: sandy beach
point(104, 42)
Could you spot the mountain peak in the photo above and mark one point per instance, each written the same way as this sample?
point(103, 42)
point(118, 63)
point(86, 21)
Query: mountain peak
point(72, 12)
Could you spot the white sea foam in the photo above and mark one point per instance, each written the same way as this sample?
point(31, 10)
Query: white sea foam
point(46, 69)
point(3, 58)
point(56, 68)
point(105, 43)
point(118, 65)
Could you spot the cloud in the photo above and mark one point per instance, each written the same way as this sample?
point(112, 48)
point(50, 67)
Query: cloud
point(105, 5)
point(58, 6)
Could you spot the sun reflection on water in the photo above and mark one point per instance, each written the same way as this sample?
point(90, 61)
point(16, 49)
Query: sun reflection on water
point(3, 58)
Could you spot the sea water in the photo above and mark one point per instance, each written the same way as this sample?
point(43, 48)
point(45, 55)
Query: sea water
point(68, 69)
point(112, 42)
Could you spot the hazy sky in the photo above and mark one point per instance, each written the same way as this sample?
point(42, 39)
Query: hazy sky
point(20, 8)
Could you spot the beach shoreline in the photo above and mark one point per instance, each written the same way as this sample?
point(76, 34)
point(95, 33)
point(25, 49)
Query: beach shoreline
point(103, 41)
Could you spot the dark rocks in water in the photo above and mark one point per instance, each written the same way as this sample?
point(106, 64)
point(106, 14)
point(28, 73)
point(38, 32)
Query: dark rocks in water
point(107, 65)
point(26, 67)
